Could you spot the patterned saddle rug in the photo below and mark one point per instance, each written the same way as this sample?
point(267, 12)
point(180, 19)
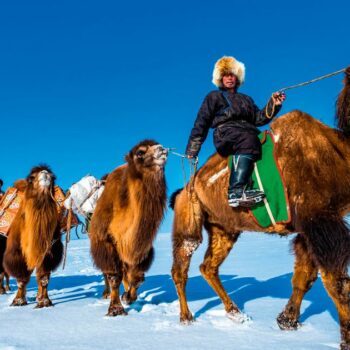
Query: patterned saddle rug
point(11, 201)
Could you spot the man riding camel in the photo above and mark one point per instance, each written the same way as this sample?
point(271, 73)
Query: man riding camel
point(234, 117)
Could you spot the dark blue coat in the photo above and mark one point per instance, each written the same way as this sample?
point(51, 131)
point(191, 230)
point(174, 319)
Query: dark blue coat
point(234, 119)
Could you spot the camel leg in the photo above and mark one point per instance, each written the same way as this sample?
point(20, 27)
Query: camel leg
point(305, 274)
point(2, 288)
point(107, 291)
point(42, 278)
point(7, 285)
point(219, 246)
point(337, 285)
point(187, 236)
point(20, 298)
point(2, 271)
point(183, 249)
point(115, 306)
point(134, 276)
point(106, 258)
point(4, 277)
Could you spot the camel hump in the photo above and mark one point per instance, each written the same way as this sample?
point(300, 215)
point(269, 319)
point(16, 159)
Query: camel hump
point(298, 126)
point(296, 118)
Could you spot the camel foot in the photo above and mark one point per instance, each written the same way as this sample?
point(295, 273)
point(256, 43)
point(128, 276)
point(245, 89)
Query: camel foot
point(116, 310)
point(186, 319)
point(106, 294)
point(238, 317)
point(285, 323)
point(7, 288)
point(45, 302)
point(127, 299)
point(2, 290)
point(19, 302)
point(344, 346)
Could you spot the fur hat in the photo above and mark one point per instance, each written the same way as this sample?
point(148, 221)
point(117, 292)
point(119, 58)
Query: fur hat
point(228, 65)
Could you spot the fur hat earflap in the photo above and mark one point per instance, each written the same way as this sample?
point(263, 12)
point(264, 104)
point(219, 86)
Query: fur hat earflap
point(228, 65)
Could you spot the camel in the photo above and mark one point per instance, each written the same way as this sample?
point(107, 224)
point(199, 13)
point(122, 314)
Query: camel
point(315, 163)
point(3, 275)
point(126, 219)
point(34, 238)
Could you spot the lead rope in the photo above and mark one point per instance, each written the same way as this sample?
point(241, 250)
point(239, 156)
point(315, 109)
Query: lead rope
point(68, 228)
point(296, 86)
point(193, 165)
point(313, 80)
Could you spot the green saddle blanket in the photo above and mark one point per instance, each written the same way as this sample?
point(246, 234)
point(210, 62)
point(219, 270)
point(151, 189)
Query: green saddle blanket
point(274, 209)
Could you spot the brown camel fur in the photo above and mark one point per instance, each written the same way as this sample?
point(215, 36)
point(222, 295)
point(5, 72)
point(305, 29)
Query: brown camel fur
point(34, 239)
point(315, 162)
point(3, 274)
point(126, 219)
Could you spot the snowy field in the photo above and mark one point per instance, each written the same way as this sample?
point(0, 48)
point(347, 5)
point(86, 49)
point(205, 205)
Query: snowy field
point(256, 274)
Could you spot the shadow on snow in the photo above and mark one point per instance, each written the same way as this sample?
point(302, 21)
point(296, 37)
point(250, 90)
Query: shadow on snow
point(159, 289)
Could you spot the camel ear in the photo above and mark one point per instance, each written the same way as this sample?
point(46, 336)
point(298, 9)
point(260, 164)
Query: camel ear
point(128, 158)
point(21, 185)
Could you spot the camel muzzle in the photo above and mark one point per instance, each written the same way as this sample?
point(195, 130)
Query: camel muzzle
point(160, 153)
point(44, 179)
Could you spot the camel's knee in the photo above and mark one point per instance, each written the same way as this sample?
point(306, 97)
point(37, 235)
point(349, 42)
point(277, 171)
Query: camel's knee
point(189, 246)
point(303, 280)
point(114, 280)
point(183, 248)
point(134, 276)
point(207, 270)
point(340, 289)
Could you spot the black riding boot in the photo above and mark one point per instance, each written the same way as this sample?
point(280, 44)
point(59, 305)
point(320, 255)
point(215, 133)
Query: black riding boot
point(242, 169)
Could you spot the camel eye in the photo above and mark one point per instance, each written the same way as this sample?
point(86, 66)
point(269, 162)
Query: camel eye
point(140, 153)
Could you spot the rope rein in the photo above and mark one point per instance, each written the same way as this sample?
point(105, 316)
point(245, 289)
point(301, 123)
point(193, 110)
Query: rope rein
point(193, 162)
point(312, 80)
point(296, 86)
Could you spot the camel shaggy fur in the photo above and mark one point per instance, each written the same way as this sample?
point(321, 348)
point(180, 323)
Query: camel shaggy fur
point(315, 163)
point(3, 275)
point(34, 239)
point(126, 219)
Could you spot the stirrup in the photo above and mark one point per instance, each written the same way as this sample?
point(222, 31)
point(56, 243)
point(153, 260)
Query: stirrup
point(248, 194)
point(247, 201)
point(251, 202)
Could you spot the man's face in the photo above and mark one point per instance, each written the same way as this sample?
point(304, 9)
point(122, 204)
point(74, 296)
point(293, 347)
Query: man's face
point(229, 81)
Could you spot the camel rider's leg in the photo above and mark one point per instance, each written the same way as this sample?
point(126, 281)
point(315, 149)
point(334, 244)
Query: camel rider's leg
point(242, 169)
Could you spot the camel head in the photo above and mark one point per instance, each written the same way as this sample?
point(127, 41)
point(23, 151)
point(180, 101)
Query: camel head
point(147, 156)
point(41, 180)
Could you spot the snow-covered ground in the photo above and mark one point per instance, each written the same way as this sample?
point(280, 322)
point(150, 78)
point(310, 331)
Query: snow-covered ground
point(256, 274)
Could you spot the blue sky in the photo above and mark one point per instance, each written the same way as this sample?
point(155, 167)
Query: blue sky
point(81, 82)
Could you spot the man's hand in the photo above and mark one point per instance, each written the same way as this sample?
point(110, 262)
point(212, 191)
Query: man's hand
point(278, 98)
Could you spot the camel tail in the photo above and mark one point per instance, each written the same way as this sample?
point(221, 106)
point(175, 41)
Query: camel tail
point(343, 106)
point(328, 238)
point(172, 199)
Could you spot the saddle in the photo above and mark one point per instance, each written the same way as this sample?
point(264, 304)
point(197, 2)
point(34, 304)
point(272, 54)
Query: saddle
point(11, 201)
point(267, 177)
